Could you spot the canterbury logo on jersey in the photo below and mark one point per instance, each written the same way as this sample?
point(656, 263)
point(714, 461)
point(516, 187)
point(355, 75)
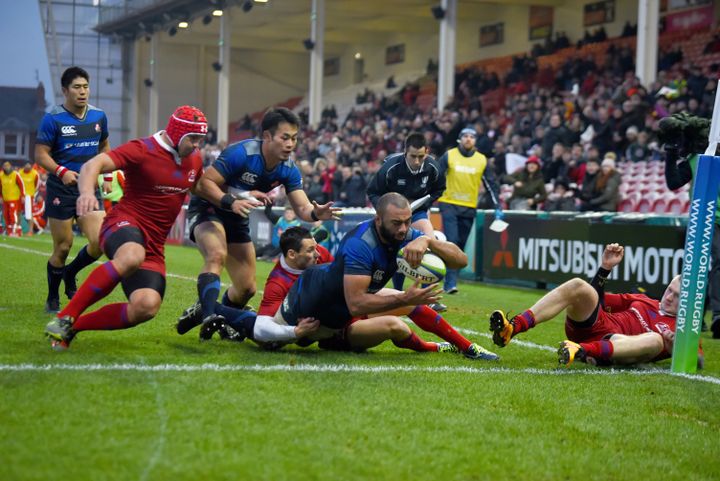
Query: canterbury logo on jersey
point(68, 130)
point(249, 178)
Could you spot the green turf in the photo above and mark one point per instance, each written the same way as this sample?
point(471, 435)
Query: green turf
point(528, 420)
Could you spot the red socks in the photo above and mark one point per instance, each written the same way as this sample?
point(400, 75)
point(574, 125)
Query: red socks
point(429, 320)
point(101, 281)
point(600, 350)
point(415, 343)
point(523, 322)
point(107, 318)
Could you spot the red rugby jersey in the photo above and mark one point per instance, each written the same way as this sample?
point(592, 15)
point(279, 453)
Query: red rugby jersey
point(281, 279)
point(156, 182)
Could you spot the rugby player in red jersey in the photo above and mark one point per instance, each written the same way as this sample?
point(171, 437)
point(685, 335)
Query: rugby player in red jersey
point(601, 328)
point(159, 171)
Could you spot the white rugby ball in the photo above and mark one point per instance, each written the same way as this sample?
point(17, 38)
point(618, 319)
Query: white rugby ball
point(430, 270)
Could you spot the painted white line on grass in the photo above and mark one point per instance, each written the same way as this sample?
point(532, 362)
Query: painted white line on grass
point(516, 342)
point(33, 251)
point(160, 444)
point(323, 368)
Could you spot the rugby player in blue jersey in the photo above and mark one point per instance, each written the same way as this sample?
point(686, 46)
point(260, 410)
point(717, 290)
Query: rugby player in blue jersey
point(352, 285)
point(69, 135)
point(218, 216)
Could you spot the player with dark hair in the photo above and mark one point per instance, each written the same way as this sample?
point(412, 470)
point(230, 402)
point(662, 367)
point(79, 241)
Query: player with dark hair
point(414, 174)
point(601, 328)
point(159, 171)
point(352, 285)
point(218, 215)
point(70, 135)
point(299, 252)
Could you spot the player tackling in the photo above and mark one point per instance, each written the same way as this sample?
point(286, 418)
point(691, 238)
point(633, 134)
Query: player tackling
point(159, 171)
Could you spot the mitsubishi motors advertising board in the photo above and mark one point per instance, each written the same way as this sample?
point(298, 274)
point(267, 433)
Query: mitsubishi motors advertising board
point(553, 251)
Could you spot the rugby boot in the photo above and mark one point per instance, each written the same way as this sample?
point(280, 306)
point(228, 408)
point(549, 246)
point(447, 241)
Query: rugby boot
point(190, 318)
point(569, 352)
point(210, 325)
point(60, 332)
point(447, 347)
point(475, 351)
point(501, 328)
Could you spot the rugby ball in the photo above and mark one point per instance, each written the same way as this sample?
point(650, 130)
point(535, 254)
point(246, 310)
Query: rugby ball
point(430, 270)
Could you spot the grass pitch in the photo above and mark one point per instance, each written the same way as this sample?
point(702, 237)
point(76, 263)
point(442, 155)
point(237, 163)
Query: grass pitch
point(147, 404)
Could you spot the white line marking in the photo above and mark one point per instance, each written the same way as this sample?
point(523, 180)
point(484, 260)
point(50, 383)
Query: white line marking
point(322, 368)
point(160, 443)
point(516, 342)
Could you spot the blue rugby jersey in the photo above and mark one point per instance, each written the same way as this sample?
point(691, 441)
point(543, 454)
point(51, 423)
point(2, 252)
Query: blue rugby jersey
point(73, 140)
point(243, 168)
point(362, 253)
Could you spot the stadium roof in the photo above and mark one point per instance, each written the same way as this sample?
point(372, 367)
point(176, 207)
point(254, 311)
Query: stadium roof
point(282, 25)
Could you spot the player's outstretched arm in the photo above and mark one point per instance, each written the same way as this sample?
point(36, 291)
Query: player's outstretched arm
point(360, 302)
point(612, 255)
point(312, 211)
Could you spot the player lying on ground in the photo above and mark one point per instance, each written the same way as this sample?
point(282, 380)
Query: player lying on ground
point(350, 287)
point(300, 251)
point(601, 328)
point(237, 181)
point(159, 171)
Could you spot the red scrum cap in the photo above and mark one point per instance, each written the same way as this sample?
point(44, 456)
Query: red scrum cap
point(186, 120)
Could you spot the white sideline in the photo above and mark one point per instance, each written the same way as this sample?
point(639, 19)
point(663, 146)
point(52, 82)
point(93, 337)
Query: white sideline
point(332, 368)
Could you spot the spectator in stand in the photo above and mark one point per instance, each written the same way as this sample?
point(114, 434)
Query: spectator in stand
point(498, 159)
point(528, 186)
point(280, 225)
point(556, 133)
point(713, 46)
point(605, 193)
point(313, 187)
point(638, 150)
point(561, 199)
point(353, 187)
point(557, 167)
point(603, 127)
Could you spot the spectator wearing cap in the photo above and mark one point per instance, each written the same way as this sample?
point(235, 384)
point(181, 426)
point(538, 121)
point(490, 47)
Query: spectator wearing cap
point(463, 167)
point(605, 193)
point(528, 186)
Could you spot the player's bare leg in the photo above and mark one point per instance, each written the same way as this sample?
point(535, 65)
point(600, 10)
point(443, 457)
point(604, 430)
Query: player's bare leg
point(62, 236)
point(90, 227)
point(575, 296)
point(144, 305)
point(619, 349)
point(367, 333)
point(241, 269)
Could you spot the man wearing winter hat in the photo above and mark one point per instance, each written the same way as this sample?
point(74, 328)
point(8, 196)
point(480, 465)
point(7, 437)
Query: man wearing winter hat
point(463, 167)
point(159, 171)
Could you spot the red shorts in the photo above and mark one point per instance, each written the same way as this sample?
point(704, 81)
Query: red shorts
point(154, 248)
point(601, 328)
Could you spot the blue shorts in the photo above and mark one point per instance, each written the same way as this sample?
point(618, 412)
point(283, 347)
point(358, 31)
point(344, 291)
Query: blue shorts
point(237, 228)
point(308, 298)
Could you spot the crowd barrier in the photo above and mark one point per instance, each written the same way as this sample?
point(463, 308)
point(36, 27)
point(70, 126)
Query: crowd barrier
point(538, 249)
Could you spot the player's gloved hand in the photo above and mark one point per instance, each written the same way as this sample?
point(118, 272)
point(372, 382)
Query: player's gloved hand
point(416, 295)
point(242, 207)
point(85, 204)
point(306, 326)
point(326, 211)
point(69, 177)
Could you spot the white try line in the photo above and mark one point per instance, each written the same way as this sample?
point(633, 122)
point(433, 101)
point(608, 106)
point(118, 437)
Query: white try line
point(47, 254)
point(342, 368)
